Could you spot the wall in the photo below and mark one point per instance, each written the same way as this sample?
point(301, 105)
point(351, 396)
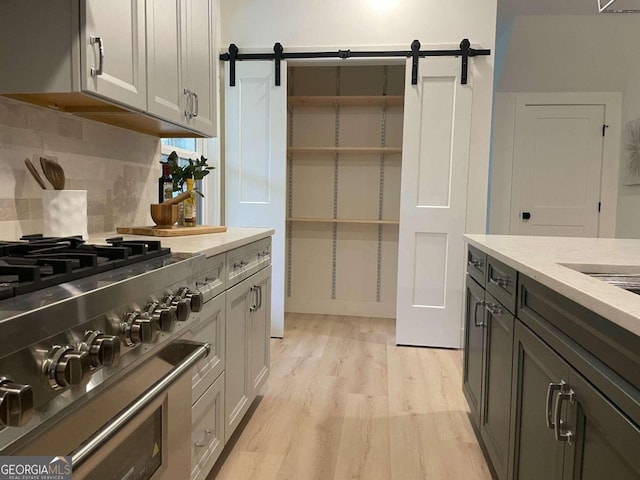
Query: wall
point(254, 24)
point(118, 168)
point(565, 53)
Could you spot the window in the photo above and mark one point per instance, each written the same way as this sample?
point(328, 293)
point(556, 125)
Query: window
point(192, 148)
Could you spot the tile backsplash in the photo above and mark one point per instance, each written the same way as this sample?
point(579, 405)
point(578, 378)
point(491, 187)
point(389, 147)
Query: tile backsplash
point(118, 168)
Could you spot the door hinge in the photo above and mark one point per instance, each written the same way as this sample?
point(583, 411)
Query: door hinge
point(599, 206)
point(604, 129)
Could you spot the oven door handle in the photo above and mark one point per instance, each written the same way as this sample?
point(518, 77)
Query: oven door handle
point(198, 351)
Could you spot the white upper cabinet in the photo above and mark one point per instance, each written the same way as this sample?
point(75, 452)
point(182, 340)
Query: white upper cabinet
point(112, 51)
point(165, 59)
point(181, 62)
point(148, 66)
point(201, 63)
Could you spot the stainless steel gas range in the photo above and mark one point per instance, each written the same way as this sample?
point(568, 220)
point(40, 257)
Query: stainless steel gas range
point(91, 360)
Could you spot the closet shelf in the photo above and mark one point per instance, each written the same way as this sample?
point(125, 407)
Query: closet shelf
point(344, 150)
point(343, 220)
point(356, 100)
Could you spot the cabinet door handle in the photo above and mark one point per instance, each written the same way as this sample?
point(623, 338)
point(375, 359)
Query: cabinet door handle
point(259, 296)
point(204, 443)
point(255, 305)
point(501, 282)
point(551, 389)
point(197, 102)
point(188, 107)
point(93, 40)
point(480, 303)
point(562, 431)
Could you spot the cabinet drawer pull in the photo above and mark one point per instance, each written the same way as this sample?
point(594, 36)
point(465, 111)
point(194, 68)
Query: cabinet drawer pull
point(562, 431)
point(501, 282)
point(239, 264)
point(551, 389)
point(92, 41)
point(204, 442)
point(475, 263)
point(481, 303)
point(494, 309)
point(207, 281)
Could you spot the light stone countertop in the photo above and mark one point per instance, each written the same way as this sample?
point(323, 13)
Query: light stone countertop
point(543, 259)
point(210, 244)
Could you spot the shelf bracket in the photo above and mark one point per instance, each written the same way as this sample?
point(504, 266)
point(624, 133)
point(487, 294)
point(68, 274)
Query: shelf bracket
point(277, 48)
point(415, 56)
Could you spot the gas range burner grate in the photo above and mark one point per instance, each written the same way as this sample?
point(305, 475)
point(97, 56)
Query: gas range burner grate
point(37, 262)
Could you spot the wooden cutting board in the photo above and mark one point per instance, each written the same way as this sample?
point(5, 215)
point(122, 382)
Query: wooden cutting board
point(174, 231)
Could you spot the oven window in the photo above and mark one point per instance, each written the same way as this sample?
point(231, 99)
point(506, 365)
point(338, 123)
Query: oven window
point(138, 456)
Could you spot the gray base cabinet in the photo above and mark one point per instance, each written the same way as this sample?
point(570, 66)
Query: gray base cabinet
point(496, 398)
point(473, 348)
point(238, 389)
point(247, 345)
point(563, 428)
point(557, 395)
point(259, 329)
point(236, 321)
point(606, 441)
point(535, 452)
point(487, 371)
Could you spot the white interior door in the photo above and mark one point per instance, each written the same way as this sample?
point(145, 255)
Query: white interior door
point(435, 159)
point(557, 170)
point(256, 162)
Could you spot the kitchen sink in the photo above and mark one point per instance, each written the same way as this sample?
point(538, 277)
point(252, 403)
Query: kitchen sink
point(622, 276)
point(630, 282)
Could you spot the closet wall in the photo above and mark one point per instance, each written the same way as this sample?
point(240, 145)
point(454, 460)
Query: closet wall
point(343, 192)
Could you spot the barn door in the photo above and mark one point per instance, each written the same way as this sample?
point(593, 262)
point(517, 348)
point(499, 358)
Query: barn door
point(435, 157)
point(256, 161)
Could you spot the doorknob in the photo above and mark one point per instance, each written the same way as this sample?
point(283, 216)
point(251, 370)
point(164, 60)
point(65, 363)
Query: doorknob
point(526, 215)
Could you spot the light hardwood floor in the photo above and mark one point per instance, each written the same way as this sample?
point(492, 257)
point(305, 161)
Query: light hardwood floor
point(343, 402)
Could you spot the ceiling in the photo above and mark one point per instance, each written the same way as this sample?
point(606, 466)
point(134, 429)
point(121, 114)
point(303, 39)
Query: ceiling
point(510, 8)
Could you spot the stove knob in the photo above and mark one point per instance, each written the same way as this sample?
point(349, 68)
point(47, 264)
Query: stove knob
point(164, 316)
point(104, 350)
point(16, 403)
point(139, 328)
point(66, 367)
point(181, 306)
point(196, 298)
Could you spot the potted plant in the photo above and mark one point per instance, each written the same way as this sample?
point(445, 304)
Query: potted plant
point(196, 169)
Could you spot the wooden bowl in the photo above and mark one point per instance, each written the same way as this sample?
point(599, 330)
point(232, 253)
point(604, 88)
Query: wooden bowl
point(164, 215)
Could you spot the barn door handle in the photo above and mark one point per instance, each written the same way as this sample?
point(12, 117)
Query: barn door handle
point(526, 215)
